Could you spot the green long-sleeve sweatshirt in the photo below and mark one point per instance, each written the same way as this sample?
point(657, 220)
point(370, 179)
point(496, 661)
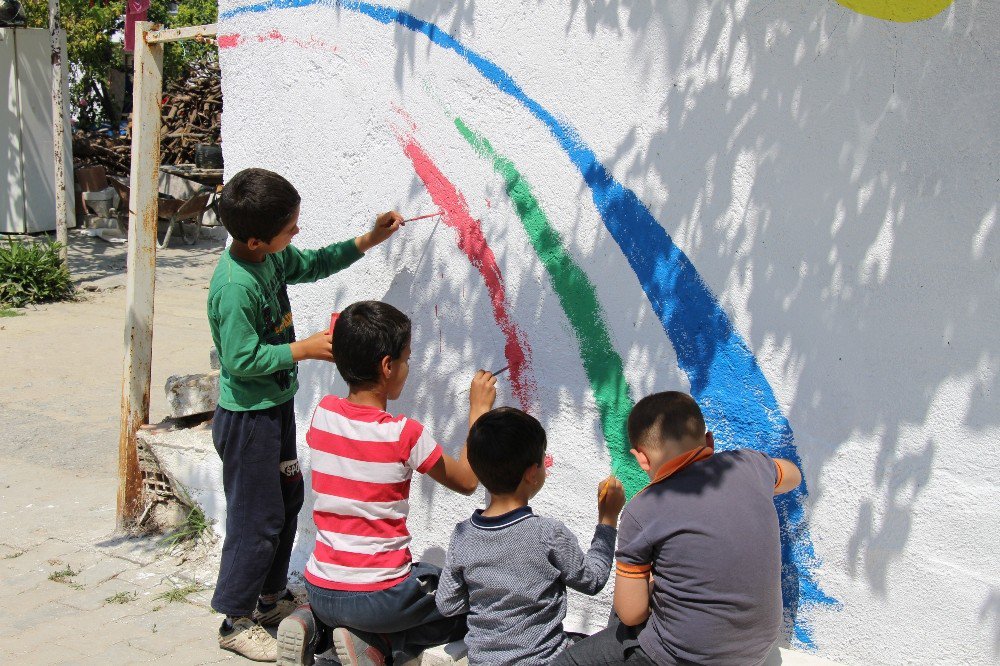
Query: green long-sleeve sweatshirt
point(251, 321)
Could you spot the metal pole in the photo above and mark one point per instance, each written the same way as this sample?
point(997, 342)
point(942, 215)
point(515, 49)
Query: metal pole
point(58, 127)
point(141, 268)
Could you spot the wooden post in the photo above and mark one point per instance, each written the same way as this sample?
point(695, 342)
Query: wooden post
point(141, 268)
point(58, 128)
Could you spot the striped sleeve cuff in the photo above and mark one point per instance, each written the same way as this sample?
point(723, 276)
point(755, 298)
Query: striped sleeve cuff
point(633, 570)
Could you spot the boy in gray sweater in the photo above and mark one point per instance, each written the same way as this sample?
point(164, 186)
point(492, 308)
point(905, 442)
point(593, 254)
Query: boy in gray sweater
point(509, 568)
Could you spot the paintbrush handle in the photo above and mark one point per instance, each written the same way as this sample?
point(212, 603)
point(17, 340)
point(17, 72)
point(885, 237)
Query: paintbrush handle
point(495, 374)
point(422, 217)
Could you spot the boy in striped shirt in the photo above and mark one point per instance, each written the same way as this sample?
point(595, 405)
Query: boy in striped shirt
point(361, 578)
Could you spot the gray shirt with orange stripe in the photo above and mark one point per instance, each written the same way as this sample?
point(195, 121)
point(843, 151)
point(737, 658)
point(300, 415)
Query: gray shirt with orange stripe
point(709, 534)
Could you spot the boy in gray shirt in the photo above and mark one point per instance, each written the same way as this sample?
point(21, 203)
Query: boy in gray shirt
point(698, 572)
point(509, 568)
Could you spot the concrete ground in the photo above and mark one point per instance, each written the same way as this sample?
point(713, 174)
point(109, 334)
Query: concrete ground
point(72, 590)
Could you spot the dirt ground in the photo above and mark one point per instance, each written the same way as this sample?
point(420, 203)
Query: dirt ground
point(73, 591)
point(62, 362)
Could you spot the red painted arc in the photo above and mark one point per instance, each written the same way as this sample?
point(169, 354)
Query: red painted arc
point(456, 215)
point(473, 243)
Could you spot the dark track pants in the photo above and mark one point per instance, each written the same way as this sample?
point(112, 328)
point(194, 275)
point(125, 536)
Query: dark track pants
point(264, 492)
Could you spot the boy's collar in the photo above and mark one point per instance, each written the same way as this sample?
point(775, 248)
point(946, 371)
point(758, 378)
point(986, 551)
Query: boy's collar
point(678, 463)
point(501, 521)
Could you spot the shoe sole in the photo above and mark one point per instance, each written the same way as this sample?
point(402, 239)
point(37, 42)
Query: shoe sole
point(343, 645)
point(292, 642)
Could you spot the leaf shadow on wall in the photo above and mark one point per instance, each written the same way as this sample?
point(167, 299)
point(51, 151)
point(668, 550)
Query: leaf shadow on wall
point(842, 212)
point(990, 614)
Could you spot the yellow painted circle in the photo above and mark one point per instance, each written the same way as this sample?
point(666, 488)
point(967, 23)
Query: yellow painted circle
point(901, 11)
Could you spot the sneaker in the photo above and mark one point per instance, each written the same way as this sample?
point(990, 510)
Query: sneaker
point(357, 648)
point(249, 639)
point(297, 638)
point(272, 614)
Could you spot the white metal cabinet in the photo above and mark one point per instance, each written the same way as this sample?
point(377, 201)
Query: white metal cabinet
point(27, 169)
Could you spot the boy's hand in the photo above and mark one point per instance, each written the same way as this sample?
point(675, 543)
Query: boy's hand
point(482, 394)
point(386, 225)
point(610, 500)
point(318, 346)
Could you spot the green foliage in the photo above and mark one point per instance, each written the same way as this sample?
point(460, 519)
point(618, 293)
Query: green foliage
point(32, 273)
point(122, 598)
point(95, 32)
point(194, 526)
point(65, 576)
point(180, 594)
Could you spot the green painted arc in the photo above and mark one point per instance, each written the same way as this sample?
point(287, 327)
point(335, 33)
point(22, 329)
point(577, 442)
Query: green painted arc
point(578, 298)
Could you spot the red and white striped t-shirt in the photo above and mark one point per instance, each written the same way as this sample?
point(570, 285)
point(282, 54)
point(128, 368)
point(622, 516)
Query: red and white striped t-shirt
point(362, 461)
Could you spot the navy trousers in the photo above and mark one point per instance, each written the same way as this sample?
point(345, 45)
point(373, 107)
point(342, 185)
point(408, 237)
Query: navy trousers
point(405, 614)
point(264, 492)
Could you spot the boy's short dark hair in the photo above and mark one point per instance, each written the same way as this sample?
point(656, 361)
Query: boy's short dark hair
point(365, 333)
point(257, 203)
point(503, 443)
point(675, 415)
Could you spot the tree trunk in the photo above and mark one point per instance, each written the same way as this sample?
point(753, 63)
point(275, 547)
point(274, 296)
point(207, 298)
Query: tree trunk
point(58, 129)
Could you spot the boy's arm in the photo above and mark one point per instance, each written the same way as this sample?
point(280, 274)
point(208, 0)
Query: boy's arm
point(242, 352)
point(311, 265)
point(452, 596)
point(633, 567)
point(788, 476)
point(584, 573)
point(455, 474)
point(632, 598)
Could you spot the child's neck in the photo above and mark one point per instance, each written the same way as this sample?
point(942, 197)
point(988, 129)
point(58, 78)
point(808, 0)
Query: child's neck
point(370, 397)
point(501, 504)
point(242, 251)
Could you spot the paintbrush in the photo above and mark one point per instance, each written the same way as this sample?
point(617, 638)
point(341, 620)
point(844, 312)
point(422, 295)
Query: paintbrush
point(422, 217)
point(603, 492)
point(495, 374)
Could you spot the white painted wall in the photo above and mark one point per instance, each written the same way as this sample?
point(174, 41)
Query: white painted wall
point(833, 178)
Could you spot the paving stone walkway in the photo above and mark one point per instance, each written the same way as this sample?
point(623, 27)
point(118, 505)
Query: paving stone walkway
point(75, 593)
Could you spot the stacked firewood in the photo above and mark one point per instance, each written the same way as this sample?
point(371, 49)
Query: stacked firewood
point(191, 115)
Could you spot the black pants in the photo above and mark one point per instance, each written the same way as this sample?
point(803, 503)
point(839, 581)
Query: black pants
point(405, 614)
point(264, 492)
point(618, 644)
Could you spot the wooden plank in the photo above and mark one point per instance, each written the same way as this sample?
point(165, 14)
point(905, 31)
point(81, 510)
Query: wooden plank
point(179, 34)
point(140, 281)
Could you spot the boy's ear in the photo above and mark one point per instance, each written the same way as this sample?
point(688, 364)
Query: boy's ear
point(530, 475)
point(641, 458)
point(254, 243)
point(710, 439)
point(386, 366)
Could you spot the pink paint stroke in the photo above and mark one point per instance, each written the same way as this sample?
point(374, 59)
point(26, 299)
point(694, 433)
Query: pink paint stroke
point(472, 242)
point(233, 40)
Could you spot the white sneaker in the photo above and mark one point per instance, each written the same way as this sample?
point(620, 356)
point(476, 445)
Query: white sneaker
point(282, 608)
point(249, 639)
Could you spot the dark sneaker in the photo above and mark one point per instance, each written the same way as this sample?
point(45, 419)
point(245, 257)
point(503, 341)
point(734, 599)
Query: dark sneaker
point(249, 639)
point(297, 638)
point(271, 615)
point(357, 648)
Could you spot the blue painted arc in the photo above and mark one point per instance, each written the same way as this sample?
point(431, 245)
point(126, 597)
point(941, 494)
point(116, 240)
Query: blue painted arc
point(726, 380)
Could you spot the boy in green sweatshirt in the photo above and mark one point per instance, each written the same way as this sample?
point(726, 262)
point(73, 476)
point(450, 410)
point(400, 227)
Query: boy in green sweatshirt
point(254, 425)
